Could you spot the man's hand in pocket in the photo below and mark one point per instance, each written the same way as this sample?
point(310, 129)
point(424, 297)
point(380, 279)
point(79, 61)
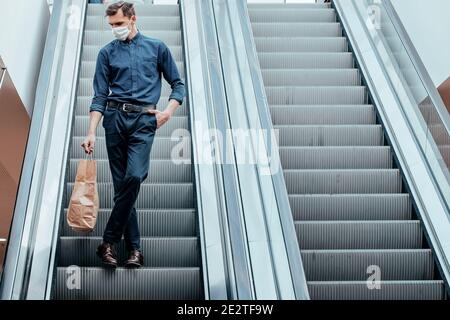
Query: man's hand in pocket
point(161, 117)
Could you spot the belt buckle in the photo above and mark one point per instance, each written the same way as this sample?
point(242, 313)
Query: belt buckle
point(125, 105)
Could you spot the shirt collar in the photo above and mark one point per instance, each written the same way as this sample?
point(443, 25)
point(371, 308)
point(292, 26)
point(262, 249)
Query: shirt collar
point(135, 39)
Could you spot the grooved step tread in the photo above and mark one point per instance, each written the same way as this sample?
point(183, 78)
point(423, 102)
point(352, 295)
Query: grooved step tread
point(158, 252)
point(136, 284)
point(353, 265)
point(389, 290)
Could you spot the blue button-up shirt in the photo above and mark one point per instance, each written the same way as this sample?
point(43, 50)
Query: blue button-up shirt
point(130, 71)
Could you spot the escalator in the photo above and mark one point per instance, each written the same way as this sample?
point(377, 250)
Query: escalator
point(354, 218)
point(166, 206)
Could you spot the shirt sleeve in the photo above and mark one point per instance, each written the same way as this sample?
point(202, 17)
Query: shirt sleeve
point(170, 72)
point(100, 83)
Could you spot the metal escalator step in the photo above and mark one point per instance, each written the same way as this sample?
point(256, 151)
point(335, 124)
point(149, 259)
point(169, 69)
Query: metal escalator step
point(311, 77)
point(317, 95)
point(311, 115)
point(141, 10)
point(352, 265)
point(139, 284)
point(343, 181)
point(83, 104)
point(330, 135)
point(176, 123)
point(297, 29)
point(342, 207)
point(293, 15)
point(151, 196)
point(306, 60)
point(288, 6)
point(104, 37)
point(87, 70)
point(158, 252)
point(301, 44)
point(328, 235)
point(152, 223)
point(94, 23)
point(160, 171)
point(389, 290)
point(336, 157)
point(90, 53)
point(163, 148)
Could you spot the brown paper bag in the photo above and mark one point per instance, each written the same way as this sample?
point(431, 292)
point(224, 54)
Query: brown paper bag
point(84, 203)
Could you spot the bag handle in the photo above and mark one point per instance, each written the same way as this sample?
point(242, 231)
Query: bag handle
point(88, 156)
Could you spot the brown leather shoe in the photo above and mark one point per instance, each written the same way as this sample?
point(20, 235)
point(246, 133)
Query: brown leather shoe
point(108, 255)
point(135, 259)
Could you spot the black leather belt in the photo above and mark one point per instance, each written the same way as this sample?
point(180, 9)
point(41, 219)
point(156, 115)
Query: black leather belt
point(129, 107)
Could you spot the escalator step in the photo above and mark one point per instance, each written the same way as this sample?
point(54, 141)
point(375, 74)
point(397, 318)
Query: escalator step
point(336, 157)
point(311, 77)
point(293, 15)
point(343, 181)
point(320, 235)
point(301, 44)
point(329, 135)
point(389, 290)
point(352, 265)
point(315, 115)
point(161, 171)
point(93, 23)
point(288, 6)
point(306, 60)
point(368, 207)
point(316, 95)
point(158, 252)
point(141, 10)
point(297, 29)
point(123, 284)
point(151, 196)
point(152, 223)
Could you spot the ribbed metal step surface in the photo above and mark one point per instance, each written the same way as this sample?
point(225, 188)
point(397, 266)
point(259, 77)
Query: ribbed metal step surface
point(351, 212)
point(165, 207)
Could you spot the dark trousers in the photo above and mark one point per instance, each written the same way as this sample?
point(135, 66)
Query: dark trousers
point(129, 139)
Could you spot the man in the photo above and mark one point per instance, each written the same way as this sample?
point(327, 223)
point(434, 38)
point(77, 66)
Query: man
point(127, 86)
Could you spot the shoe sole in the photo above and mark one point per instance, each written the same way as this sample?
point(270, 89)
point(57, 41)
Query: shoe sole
point(133, 265)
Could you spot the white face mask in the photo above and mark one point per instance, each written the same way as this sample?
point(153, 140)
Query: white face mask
point(121, 33)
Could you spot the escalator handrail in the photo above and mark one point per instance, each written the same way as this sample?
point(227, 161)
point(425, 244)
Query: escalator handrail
point(269, 260)
point(279, 184)
point(54, 153)
point(208, 183)
point(20, 241)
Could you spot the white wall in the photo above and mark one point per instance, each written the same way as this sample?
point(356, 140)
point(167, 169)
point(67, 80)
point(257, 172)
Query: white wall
point(428, 25)
point(23, 29)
